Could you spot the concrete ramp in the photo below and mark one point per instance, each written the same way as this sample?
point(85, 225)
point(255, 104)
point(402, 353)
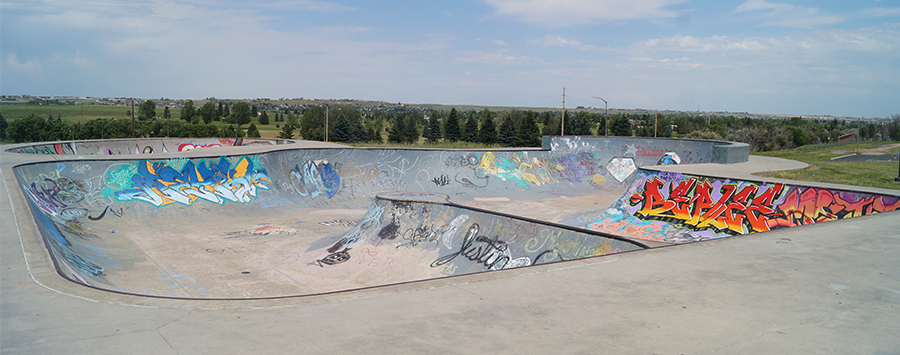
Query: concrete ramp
point(671, 207)
point(408, 237)
point(289, 222)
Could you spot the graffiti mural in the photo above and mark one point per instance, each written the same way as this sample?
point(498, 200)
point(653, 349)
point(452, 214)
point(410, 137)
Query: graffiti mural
point(314, 178)
point(463, 241)
point(184, 147)
point(726, 207)
point(160, 184)
point(621, 169)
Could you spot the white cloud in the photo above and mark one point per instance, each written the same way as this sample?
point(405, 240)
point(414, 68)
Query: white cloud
point(319, 6)
point(494, 58)
point(882, 12)
point(29, 66)
point(561, 13)
point(787, 15)
point(560, 41)
point(681, 43)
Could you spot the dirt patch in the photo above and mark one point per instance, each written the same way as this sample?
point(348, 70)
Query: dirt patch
point(881, 149)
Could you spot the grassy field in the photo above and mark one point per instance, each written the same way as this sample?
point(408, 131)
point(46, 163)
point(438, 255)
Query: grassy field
point(70, 113)
point(84, 113)
point(822, 169)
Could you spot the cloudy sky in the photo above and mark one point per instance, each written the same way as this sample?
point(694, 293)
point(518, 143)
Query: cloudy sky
point(802, 57)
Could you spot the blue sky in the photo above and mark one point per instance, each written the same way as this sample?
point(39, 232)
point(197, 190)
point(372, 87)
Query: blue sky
point(796, 57)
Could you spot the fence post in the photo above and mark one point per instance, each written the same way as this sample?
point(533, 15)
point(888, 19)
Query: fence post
point(897, 179)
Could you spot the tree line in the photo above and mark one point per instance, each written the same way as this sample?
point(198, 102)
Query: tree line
point(507, 128)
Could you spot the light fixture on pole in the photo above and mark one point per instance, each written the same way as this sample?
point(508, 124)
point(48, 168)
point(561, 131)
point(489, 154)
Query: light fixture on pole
point(606, 107)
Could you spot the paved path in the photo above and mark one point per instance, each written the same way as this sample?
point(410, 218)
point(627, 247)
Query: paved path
point(830, 288)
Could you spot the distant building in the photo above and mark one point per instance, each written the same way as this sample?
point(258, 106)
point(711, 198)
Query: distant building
point(847, 138)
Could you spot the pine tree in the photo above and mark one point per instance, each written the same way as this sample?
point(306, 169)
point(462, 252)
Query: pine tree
point(487, 134)
point(529, 134)
point(508, 136)
point(581, 125)
point(395, 133)
point(433, 133)
point(410, 131)
point(552, 127)
point(264, 118)
point(358, 132)
point(620, 126)
point(451, 126)
point(252, 131)
point(341, 131)
point(471, 133)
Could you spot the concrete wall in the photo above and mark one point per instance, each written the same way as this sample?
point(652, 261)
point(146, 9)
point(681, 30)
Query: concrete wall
point(647, 151)
point(679, 208)
point(138, 146)
point(99, 216)
point(449, 239)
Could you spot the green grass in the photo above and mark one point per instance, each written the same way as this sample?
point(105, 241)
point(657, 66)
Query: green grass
point(70, 113)
point(821, 169)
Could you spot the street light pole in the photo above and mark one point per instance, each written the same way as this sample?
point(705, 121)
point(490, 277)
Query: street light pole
point(606, 108)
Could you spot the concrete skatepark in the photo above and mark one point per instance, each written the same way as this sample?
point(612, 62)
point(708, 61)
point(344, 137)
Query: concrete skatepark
point(278, 247)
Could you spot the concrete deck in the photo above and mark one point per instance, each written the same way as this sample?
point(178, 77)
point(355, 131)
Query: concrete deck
point(826, 288)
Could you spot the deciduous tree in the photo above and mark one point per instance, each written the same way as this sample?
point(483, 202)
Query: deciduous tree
point(240, 114)
point(187, 111)
point(147, 110)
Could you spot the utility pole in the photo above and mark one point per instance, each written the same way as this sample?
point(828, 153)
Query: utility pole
point(326, 123)
point(655, 123)
point(606, 107)
point(858, 133)
point(562, 130)
point(132, 117)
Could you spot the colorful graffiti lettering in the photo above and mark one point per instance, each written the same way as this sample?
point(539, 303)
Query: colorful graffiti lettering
point(184, 147)
point(53, 195)
point(743, 208)
point(525, 173)
point(160, 184)
point(812, 205)
point(647, 230)
point(316, 177)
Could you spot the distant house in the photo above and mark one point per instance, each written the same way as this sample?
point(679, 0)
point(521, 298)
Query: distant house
point(847, 137)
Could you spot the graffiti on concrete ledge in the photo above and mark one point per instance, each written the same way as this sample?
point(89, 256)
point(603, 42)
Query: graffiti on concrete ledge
point(744, 207)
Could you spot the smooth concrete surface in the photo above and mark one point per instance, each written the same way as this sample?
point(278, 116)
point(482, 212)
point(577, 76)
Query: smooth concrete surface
point(830, 288)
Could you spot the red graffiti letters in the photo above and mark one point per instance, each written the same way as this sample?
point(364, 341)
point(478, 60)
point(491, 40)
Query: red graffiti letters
point(742, 208)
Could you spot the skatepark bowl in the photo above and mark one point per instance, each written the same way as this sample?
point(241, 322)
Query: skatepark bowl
point(254, 219)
